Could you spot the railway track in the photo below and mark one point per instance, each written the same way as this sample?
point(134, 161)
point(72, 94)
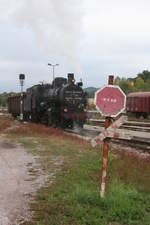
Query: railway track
point(130, 125)
point(140, 136)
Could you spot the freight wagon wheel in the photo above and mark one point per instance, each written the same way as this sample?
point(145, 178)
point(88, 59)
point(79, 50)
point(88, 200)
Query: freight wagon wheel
point(145, 115)
point(138, 115)
point(14, 116)
point(71, 124)
point(28, 117)
point(81, 124)
point(63, 123)
point(49, 121)
point(49, 118)
point(25, 117)
point(34, 118)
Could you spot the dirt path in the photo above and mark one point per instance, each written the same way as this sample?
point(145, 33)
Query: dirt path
point(20, 178)
point(18, 181)
point(21, 175)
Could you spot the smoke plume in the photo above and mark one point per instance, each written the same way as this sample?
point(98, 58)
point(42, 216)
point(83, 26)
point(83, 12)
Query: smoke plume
point(56, 24)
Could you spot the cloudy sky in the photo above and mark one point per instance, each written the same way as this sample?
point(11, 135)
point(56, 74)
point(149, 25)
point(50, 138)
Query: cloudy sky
point(90, 38)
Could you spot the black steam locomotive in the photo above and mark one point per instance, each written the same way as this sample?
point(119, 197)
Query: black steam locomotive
point(61, 103)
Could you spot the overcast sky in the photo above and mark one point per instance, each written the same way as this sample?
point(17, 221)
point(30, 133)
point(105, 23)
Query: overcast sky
point(90, 38)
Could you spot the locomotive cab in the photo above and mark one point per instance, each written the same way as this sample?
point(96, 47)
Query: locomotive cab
point(58, 82)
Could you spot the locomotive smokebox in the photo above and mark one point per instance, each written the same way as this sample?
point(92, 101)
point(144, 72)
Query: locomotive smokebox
point(71, 78)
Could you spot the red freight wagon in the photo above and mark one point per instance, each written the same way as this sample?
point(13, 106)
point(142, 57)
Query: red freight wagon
point(138, 103)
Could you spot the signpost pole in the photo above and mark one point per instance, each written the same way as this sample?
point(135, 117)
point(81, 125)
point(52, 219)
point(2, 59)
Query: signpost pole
point(105, 150)
point(21, 78)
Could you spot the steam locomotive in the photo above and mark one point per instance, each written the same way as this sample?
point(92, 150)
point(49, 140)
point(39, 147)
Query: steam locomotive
point(61, 103)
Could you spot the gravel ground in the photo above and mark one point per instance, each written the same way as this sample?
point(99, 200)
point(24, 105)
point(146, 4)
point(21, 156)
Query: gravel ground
point(20, 178)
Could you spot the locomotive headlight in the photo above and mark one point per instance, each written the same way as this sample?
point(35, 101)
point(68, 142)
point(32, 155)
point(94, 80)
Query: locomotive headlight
point(65, 110)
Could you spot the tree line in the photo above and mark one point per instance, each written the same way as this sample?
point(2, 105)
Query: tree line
point(4, 98)
point(140, 83)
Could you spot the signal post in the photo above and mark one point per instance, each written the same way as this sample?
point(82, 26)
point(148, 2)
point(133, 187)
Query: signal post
point(110, 101)
point(105, 150)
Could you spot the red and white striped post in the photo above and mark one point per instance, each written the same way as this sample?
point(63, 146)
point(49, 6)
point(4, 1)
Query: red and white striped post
point(110, 101)
point(105, 150)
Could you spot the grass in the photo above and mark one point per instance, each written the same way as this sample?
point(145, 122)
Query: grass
point(5, 122)
point(73, 197)
point(132, 169)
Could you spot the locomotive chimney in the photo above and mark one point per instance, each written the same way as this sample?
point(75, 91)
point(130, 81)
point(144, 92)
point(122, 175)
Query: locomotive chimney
point(71, 78)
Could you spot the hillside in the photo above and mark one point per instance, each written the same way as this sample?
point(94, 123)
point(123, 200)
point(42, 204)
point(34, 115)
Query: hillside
point(90, 91)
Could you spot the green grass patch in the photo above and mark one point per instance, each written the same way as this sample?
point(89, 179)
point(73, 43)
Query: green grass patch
point(132, 170)
point(73, 198)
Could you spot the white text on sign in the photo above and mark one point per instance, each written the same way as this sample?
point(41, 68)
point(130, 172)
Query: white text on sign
point(110, 100)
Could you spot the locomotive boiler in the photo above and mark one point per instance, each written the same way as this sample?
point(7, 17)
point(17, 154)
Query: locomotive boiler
point(61, 103)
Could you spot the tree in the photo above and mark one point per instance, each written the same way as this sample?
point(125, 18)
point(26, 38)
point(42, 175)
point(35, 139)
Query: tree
point(3, 99)
point(139, 84)
point(147, 85)
point(124, 85)
point(131, 86)
point(0, 101)
point(117, 80)
point(145, 75)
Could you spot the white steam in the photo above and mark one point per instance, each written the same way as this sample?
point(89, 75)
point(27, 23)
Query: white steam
point(56, 25)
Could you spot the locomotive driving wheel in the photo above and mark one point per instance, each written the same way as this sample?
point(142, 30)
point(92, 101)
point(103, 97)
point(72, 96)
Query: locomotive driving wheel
point(49, 119)
point(63, 123)
point(34, 117)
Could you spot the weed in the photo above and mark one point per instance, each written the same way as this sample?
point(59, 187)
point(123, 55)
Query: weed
point(73, 196)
